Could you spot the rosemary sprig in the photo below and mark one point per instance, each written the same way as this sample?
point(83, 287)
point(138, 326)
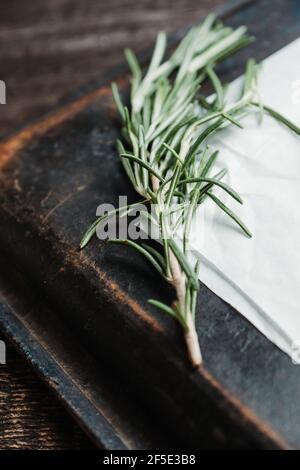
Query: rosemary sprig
point(165, 154)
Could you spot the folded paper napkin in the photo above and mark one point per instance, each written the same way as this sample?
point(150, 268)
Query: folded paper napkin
point(260, 276)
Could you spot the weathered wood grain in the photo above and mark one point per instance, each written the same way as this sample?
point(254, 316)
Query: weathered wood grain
point(30, 416)
point(47, 49)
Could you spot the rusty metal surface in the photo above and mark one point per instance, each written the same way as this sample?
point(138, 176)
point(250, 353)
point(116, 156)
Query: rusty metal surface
point(55, 173)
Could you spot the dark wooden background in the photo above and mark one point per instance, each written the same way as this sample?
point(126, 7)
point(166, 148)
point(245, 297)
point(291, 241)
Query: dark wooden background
point(47, 49)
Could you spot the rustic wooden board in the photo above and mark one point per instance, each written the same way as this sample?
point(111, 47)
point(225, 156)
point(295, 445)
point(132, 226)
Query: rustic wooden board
point(48, 49)
point(55, 173)
point(31, 416)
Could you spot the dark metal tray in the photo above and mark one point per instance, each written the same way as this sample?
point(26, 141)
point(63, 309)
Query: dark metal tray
point(82, 318)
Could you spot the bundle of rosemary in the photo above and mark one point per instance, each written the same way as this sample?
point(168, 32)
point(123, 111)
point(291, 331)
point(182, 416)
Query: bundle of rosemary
point(165, 154)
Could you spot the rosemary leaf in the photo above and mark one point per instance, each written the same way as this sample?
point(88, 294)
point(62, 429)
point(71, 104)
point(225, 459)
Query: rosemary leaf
point(166, 309)
point(215, 182)
point(141, 250)
point(279, 117)
point(230, 213)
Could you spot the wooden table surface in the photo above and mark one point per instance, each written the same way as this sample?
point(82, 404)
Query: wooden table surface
point(48, 49)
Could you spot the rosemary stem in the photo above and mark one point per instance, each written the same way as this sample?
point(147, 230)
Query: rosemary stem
point(179, 283)
point(155, 183)
point(192, 342)
point(178, 280)
point(190, 333)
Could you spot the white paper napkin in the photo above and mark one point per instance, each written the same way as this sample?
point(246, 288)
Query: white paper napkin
point(260, 277)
